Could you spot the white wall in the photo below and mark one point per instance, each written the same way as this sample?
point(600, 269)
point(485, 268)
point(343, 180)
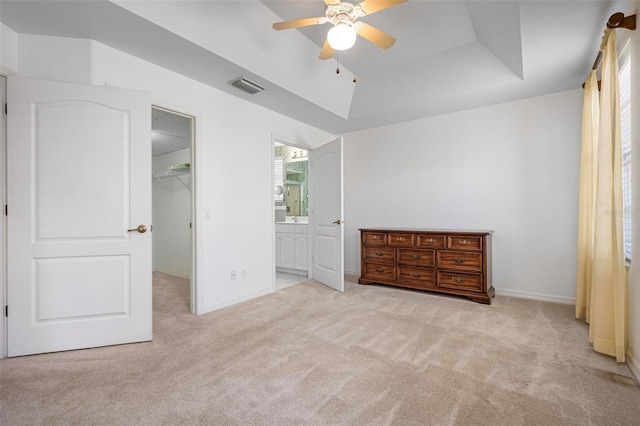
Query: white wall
point(171, 217)
point(233, 167)
point(512, 168)
point(57, 59)
point(8, 50)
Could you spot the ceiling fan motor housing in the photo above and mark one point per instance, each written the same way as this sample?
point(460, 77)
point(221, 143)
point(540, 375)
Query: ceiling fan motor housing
point(343, 12)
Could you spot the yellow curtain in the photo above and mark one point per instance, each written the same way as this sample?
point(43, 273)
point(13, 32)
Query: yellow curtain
point(604, 290)
point(586, 210)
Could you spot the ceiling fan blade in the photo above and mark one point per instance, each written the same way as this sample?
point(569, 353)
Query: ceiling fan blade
point(331, 2)
point(375, 36)
point(373, 6)
point(327, 51)
point(296, 23)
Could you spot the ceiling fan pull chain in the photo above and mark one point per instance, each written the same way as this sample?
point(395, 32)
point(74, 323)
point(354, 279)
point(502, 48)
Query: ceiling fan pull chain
point(354, 64)
point(338, 61)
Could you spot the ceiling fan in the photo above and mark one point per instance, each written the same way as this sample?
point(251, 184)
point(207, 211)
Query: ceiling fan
point(343, 16)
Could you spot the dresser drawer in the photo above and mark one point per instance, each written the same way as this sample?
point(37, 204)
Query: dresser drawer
point(464, 242)
point(379, 271)
point(460, 281)
point(401, 240)
point(463, 260)
point(430, 241)
point(380, 254)
point(416, 257)
point(417, 275)
point(374, 238)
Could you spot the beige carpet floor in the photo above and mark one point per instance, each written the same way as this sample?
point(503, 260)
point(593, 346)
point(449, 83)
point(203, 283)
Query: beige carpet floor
point(307, 354)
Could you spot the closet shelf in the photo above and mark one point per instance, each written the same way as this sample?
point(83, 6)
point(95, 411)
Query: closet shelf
point(181, 175)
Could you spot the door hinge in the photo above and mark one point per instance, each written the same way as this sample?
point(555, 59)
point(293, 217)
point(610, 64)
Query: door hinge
point(6, 311)
point(5, 108)
point(6, 210)
point(189, 225)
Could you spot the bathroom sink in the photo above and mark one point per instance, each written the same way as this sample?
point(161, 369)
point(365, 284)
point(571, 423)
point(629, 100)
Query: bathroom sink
point(299, 220)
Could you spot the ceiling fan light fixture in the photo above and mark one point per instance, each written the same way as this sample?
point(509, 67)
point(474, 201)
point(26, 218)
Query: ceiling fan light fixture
point(342, 36)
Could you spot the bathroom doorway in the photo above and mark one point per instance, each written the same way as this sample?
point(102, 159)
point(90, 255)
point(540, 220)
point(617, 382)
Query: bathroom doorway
point(291, 202)
point(172, 135)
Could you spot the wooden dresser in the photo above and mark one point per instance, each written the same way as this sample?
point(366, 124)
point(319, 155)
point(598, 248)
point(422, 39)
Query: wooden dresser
point(447, 261)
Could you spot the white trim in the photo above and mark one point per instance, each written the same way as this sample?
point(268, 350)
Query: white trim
point(235, 300)
point(299, 272)
point(352, 272)
point(173, 273)
point(633, 366)
point(536, 296)
point(513, 293)
point(3, 222)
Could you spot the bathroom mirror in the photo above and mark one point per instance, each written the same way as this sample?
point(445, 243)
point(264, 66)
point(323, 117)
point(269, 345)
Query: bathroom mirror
point(291, 168)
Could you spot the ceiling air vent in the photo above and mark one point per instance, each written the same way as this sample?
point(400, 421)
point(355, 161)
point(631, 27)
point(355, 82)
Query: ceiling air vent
point(247, 86)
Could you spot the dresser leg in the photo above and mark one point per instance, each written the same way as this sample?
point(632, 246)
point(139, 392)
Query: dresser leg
point(484, 298)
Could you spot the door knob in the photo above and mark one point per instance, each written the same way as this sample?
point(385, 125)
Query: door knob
point(338, 222)
point(141, 229)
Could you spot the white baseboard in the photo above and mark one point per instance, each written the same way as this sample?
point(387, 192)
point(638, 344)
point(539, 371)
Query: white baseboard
point(293, 271)
point(174, 273)
point(536, 296)
point(633, 366)
point(235, 300)
point(511, 293)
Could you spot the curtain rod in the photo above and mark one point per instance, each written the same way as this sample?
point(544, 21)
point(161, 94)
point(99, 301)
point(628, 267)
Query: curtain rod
point(617, 20)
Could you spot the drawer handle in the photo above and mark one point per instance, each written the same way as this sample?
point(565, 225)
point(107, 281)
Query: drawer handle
point(430, 240)
point(458, 279)
point(464, 242)
point(415, 257)
point(459, 259)
point(402, 239)
point(379, 253)
point(375, 237)
point(379, 270)
point(415, 275)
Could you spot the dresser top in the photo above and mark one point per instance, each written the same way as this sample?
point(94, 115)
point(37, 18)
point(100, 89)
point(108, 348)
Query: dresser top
point(429, 230)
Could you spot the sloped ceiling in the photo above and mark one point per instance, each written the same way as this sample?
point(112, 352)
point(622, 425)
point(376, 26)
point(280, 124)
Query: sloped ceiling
point(450, 55)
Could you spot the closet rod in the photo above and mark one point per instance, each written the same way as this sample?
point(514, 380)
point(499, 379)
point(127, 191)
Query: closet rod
point(617, 20)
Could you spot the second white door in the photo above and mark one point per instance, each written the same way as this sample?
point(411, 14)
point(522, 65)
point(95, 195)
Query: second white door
point(327, 231)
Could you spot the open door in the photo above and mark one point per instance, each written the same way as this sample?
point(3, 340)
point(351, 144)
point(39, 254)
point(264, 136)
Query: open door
point(79, 211)
point(327, 232)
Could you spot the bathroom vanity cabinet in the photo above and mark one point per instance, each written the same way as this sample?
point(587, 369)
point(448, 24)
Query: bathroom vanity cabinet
point(292, 247)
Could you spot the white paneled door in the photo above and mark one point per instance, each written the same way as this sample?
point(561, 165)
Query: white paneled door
point(327, 232)
point(79, 179)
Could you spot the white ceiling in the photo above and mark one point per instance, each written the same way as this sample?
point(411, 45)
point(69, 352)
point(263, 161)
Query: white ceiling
point(450, 55)
point(169, 132)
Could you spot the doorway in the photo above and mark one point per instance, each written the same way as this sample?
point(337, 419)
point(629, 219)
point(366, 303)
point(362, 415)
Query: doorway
point(172, 136)
point(309, 245)
point(291, 202)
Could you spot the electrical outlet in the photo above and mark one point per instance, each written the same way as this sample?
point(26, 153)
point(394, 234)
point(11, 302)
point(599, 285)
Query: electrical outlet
point(234, 275)
point(243, 274)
